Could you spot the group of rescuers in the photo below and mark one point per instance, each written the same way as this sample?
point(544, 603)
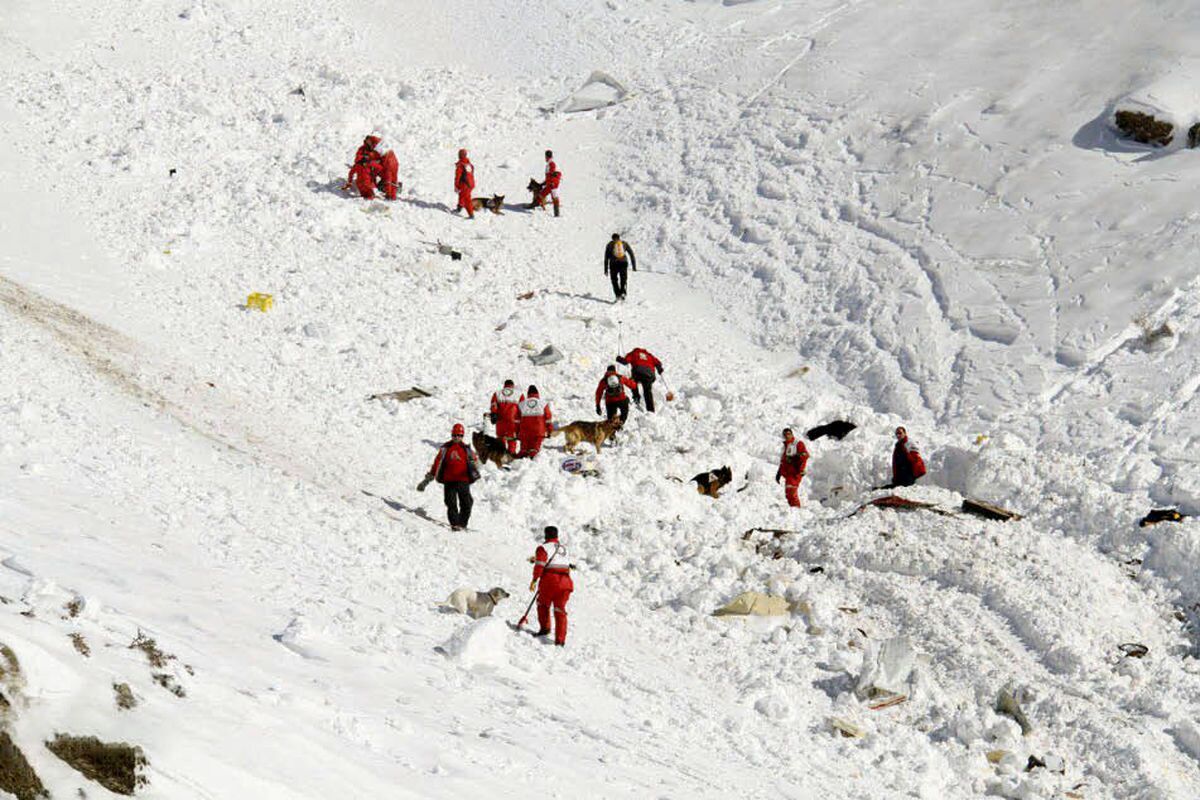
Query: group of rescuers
point(524, 420)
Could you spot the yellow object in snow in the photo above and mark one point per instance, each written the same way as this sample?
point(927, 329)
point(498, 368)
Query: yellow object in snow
point(260, 301)
point(981, 438)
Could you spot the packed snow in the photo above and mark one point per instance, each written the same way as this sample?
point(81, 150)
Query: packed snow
point(911, 214)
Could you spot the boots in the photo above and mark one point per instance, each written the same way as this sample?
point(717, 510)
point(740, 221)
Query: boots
point(556, 207)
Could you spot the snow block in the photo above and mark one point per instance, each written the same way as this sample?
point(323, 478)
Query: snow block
point(600, 90)
point(483, 643)
point(889, 669)
point(549, 355)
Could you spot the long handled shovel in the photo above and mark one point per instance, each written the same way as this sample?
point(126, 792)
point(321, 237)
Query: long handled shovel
point(525, 617)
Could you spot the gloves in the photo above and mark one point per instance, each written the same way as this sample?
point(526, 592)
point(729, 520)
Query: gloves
point(598, 412)
point(659, 368)
point(778, 475)
point(494, 417)
point(533, 584)
point(424, 482)
point(606, 272)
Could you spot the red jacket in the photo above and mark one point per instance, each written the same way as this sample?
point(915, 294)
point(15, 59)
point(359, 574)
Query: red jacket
point(642, 359)
point(464, 175)
point(507, 409)
point(793, 461)
point(907, 464)
point(455, 462)
point(367, 158)
point(551, 559)
point(614, 394)
point(535, 418)
point(553, 176)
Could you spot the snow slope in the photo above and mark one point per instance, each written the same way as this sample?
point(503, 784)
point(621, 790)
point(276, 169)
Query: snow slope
point(891, 213)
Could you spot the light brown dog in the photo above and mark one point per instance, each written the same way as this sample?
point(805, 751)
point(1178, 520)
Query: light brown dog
point(595, 432)
point(494, 204)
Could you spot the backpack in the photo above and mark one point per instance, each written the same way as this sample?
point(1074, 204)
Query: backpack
point(917, 463)
point(618, 252)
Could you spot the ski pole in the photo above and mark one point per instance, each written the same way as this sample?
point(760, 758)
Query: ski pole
point(620, 347)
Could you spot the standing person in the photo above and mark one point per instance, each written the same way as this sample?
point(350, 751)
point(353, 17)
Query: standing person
point(618, 256)
point(552, 579)
point(464, 183)
point(612, 389)
point(456, 468)
point(907, 464)
point(534, 423)
point(643, 365)
point(505, 414)
point(550, 183)
point(793, 463)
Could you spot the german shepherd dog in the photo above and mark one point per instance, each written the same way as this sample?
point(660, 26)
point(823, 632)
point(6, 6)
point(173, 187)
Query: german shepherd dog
point(535, 190)
point(494, 204)
point(595, 432)
point(711, 483)
point(489, 448)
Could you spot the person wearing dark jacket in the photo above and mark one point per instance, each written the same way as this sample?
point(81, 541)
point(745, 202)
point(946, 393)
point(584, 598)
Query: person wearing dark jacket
point(456, 468)
point(643, 366)
point(618, 257)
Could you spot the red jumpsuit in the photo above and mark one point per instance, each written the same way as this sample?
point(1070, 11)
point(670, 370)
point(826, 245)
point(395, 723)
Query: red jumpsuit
point(371, 167)
point(506, 409)
point(554, 587)
point(792, 465)
point(550, 184)
point(533, 426)
point(464, 184)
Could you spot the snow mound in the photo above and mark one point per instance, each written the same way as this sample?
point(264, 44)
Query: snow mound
point(483, 643)
point(600, 90)
point(1164, 112)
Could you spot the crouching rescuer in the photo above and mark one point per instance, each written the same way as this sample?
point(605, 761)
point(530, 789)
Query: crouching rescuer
point(552, 580)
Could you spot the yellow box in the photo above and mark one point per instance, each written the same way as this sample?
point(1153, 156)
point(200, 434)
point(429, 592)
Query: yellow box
point(260, 301)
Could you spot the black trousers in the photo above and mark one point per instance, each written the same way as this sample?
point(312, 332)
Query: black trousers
point(620, 407)
point(457, 495)
point(645, 379)
point(618, 273)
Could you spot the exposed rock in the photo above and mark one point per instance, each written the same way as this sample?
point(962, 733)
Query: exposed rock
point(16, 776)
point(114, 765)
point(1144, 128)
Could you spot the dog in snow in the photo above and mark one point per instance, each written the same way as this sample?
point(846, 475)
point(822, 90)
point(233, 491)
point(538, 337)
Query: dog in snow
point(712, 482)
point(535, 189)
point(597, 433)
point(494, 204)
point(474, 604)
point(489, 448)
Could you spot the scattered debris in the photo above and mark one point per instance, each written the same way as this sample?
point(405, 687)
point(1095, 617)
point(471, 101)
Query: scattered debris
point(889, 671)
point(299, 91)
point(1133, 649)
point(847, 609)
point(549, 355)
point(988, 510)
point(114, 765)
point(815, 570)
point(754, 604)
point(81, 645)
point(579, 466)
point(402, 395)
point(73, 607)
point(1158, 515)
point(16, 776)
point(798, 372)
point(260, 300)
point(835, 430)
point(124, 696)
point(447, 250)
point(527, 295)
point(1033, 763)
point(894, 700)
point(899, 503)
point(1008, 703)
point(846, 728)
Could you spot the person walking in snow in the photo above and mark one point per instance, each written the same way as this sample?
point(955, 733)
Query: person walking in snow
point(793, 463)
point(456, 468)
point(535, 423)
point(552, 580)
point(505, 414)
point(612, 388)
point(550, 184)
point(618, 257)
point(643, 366)
point(374, 167)
point(464, 183)
point(907, 464)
